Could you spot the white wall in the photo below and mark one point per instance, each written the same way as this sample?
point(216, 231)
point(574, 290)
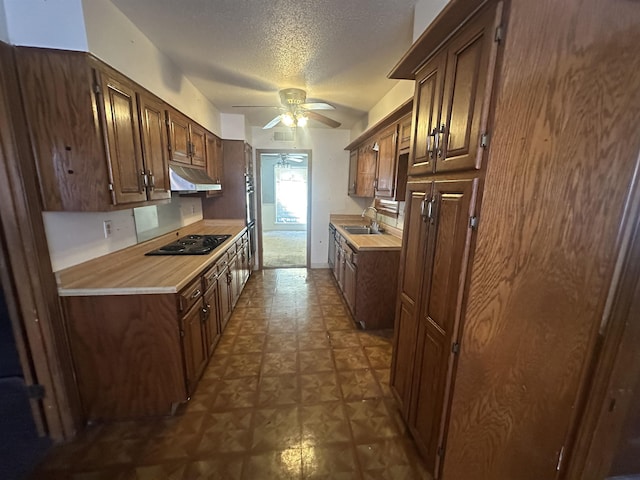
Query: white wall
point(115, 40)
point(423, 14)
point(75, 237)
point(233, 126)
point(4, 33)
point(46, 23)
point(399, 94)
point(329, 178)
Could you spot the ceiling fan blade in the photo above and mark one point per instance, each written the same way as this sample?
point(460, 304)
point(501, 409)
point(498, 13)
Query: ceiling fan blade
point(272, 123)
point(317, 106)
point(322, 119)
point(254, 106)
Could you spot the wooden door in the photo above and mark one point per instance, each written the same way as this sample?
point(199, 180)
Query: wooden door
point(353, 171)
point(179, 137)
point(195, 357)
point(198, 140)
point(426, 116)
point(412, 262)
point(366, 171)
point(154, 145)
point(337, 260)
point(212, 326)
point(214, 161)
point(448, 243)
point(123, 138)
point(469, 78)
point(386, 167)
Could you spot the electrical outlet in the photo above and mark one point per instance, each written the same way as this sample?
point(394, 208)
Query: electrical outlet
point(193, 209)
point(107, 228)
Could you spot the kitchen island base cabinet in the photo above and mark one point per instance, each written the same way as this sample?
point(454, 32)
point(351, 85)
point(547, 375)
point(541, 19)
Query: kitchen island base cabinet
point(127, 354)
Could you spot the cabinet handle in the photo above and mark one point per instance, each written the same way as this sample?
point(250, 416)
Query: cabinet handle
point(429, 147)
point(195, 294)
point(442, 132)
point(152, 180)
point(425, 209)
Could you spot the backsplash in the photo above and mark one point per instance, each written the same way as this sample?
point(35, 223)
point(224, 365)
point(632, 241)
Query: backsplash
point(75, 237)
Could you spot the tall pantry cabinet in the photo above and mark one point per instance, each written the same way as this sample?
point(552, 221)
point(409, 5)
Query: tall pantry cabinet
point(525, 137)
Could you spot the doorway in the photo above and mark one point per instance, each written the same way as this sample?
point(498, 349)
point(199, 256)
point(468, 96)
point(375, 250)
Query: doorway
point(284, 192)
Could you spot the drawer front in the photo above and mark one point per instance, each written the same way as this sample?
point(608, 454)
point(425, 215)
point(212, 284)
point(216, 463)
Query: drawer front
point(190, 295)
point(209, 277)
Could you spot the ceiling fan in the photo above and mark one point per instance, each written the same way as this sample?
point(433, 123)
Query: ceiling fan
point(287, 157)
point(295, 112)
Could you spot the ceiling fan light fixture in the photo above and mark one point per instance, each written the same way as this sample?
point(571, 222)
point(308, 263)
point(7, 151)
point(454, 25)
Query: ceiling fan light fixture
point(287, 119)
point(302, 120)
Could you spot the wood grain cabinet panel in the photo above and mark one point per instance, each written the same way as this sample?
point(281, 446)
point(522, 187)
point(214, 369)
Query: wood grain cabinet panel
point(353, 172)
point(213, 327)
point(154, 145)
point(193, 344)
point(215, 162)
point(365, 179)
point(179, 140)
point(123, 137)
point(198, 145)
point(385, 182)
point(58, 94)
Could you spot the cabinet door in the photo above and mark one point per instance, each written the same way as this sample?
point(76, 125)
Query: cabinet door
point(154, 145)
point(224, 296)
point(332, 247)
point(353, 171)
point(386, 168)
point(449, 237)
point(123, 137)
point(469, 78)
point(366, 171)
point(350, 274)
point(212, 326)
point(198, 140)
point(195, 356)
point(179, 137)
point(412, 265)
point(426, 113)
point(214, 162)
point(404, 133)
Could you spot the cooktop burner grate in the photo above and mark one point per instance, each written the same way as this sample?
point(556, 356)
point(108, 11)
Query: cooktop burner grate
point(191, 245)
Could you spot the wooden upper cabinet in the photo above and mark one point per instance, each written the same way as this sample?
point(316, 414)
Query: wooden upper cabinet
point(404, 134)
point(426, 113)
point(469, 78)
point(179, 140)
point(451, 100)
point(154, 145)
point(353, 171)
point(367, 159)
point(215, 161)
point(198, 145)
point(386, 165)
point(63, 119)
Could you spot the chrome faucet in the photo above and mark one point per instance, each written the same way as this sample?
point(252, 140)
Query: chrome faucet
point(374, 221)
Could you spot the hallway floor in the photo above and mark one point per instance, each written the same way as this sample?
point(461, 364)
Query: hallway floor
point(293, 391)
point(284, 249)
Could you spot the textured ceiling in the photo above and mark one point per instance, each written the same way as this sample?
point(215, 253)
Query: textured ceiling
point(241, 52)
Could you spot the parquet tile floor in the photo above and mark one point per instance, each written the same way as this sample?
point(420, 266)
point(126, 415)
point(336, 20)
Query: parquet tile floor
point(293, 391)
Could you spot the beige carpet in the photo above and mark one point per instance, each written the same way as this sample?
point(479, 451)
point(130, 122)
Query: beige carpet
point(284, 249)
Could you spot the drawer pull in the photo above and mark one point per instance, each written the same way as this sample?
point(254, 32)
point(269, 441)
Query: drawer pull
point(195, 294)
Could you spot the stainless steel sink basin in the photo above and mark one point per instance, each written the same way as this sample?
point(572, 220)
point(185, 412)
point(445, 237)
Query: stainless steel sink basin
point(359, 230)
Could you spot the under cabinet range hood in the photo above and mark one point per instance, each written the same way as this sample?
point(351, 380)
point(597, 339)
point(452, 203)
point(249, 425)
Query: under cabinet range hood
point(188, 179)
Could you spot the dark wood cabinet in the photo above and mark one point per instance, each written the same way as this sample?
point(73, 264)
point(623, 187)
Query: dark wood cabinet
point(187, 140)
point(215, 162)
point(193, 345)
point(385, 182)
point(154, 145)
point(350, 278)
point(123, 137)
point(353, 172)
point(404, 134)
point(426, 114)
point(211, 312)
point(451, 110)
point(367, 163)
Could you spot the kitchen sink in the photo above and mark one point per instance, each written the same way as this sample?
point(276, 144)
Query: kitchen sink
point(359, 230)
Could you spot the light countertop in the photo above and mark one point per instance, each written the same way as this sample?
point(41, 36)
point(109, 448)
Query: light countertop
point(391, 239)
point(130, 272)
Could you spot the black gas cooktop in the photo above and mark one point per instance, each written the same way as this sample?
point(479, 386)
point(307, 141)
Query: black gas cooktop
point(191, 245)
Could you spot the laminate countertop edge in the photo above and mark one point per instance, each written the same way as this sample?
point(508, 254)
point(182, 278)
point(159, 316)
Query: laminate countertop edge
point(130, 272)
point(365, 243)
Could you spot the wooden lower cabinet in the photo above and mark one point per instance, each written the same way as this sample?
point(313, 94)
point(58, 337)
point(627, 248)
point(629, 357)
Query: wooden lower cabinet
point(367, 279)
point(437, 236)
point(141, 355)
